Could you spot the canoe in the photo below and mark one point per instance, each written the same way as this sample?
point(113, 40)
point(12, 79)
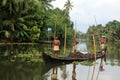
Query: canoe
point(80, 57)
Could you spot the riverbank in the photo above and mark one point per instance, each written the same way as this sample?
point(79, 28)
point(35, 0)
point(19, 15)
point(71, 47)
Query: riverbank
point(40, 42)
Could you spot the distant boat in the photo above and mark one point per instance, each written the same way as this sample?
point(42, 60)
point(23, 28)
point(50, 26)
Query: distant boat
point(69, 59)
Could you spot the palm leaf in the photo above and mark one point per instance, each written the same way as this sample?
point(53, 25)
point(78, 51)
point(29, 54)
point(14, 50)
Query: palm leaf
point(7, 34)
point(6, 23)
point(3, 2)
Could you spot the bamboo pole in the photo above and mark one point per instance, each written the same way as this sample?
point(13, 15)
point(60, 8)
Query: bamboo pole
point(75, 43)
point(94, 39)
point(65, 40)
point(95, 20)
point(55, 28)
point(94, 47)
point(94, 56)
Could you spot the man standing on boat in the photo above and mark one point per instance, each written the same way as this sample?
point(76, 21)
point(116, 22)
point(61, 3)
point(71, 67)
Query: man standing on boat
point(102, 42)
point(56, 44)
point(75, 47)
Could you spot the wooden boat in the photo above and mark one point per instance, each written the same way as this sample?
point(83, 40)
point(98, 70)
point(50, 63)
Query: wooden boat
point(69, 59)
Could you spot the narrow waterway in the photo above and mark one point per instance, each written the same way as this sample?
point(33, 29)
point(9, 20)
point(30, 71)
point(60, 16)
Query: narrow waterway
point(87, 70)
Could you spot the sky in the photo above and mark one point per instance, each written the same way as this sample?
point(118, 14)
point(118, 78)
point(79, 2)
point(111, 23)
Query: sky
point(91, 12)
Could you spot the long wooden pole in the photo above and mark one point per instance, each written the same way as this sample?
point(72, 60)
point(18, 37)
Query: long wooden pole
point(94, 40)
point(65, 40)
point(94, 51)
point(95, 20)
point(94, 47)
point(94, 56)
point(75, 42)
point(55, 28)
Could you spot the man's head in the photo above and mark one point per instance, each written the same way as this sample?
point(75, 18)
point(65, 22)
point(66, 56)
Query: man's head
point(103, 36)
point(56, 37)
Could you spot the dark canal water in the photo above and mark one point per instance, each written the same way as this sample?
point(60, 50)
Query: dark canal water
point(31, 70)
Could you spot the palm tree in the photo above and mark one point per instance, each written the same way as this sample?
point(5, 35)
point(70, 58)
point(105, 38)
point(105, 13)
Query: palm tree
point(68, 6)
point(9, 12)
point(17, 17)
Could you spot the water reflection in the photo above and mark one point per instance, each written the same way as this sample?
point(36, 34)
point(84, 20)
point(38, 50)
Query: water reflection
point(20, 71)
point(78, 71)
point(101, 68)
point(21, 52)
point(74, 72)
point(94, 67)
point(54, 74)
point(64, 74)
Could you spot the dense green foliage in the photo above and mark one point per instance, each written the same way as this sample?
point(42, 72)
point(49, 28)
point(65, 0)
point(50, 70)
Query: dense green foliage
point(111, 31)
point(29, 20)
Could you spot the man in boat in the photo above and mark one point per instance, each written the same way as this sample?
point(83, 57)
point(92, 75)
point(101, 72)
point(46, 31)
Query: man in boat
point(56, 44)
point(75, 46)
point(102, 42)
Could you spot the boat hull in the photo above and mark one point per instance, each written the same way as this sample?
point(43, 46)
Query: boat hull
point(69, 59)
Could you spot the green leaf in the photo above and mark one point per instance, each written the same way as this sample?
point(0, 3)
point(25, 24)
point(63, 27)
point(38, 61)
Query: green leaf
point(7, 34)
